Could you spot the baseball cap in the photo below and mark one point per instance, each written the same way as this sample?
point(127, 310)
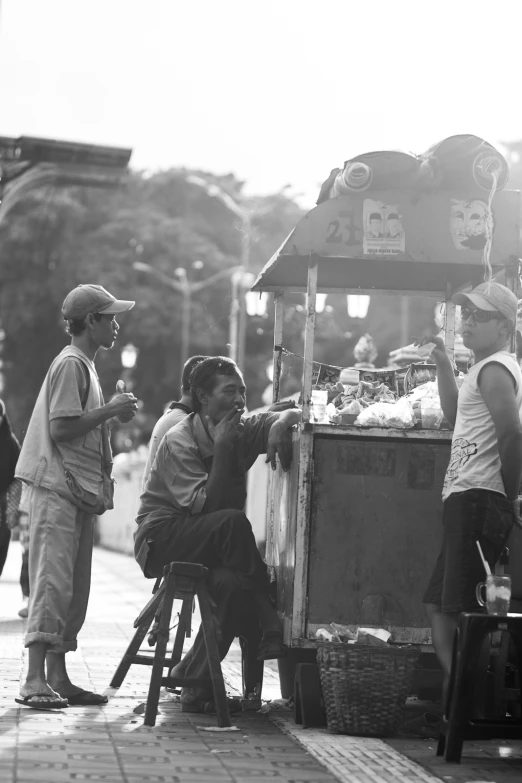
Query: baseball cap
point(491, 297)
point(89, 298)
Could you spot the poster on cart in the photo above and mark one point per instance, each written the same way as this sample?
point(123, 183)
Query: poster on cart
point(469, 224)
point(383, 232)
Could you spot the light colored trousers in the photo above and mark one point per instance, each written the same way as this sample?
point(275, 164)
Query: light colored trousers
point(60, 555)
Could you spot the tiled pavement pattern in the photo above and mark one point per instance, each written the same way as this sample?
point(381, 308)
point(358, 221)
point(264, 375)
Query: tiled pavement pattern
point(363, 760)
point(111, 743)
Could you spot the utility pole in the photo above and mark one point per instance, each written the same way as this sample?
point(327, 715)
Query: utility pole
point(238, 313)
point(186, 305)
point(245, 275)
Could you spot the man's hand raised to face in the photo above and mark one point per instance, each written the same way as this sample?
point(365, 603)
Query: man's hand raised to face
point(229, 429)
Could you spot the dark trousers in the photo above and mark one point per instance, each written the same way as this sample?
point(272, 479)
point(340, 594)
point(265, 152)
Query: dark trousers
point(219, 539)
point(222, 541)
point(24, 574)
point(5, 538)
point(235, 615)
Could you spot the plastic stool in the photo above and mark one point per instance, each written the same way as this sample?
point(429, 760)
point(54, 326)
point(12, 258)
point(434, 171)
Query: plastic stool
point(471, 632)
point(182, 581)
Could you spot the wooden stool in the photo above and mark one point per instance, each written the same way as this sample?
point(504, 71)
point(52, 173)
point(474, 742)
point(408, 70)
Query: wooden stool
point(182, 581)
point(471, 632)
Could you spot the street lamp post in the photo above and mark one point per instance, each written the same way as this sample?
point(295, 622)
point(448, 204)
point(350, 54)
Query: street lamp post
point(186, 289)
point(186, 306)
point(238, 314)
point(129, 356)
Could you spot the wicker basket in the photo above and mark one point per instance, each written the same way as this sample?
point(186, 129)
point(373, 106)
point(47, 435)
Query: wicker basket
point(365, 687)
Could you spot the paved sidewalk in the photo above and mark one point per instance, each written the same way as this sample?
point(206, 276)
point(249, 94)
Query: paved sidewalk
point(111, 744)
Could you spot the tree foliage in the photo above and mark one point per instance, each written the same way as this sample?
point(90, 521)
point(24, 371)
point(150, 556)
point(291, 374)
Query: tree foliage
point(57, 238)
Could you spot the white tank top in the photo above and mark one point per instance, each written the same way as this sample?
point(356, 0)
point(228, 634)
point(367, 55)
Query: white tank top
point(475, 461)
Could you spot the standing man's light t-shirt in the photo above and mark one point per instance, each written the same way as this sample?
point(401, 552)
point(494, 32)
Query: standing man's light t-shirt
point(169, 419)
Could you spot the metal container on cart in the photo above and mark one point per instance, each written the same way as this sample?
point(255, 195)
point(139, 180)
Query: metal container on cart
point(353, 529)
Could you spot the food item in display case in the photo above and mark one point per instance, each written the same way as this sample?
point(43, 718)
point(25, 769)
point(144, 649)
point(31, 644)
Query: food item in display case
point(425, 401)
point(375, 392)
point(418, 374)
point(398, 415)
point(387, 377)
point(319, 403)
point(350, 411)
point(365, 352)
point(332, 414)
point(324, 373)
point(324, 378)
point(400, 380)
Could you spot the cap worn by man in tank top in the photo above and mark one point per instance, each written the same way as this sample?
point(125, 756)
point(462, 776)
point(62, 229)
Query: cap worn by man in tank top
point(491, 297)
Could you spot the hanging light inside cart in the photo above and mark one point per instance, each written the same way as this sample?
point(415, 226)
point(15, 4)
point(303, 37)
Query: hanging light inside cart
point(320, 302)
point(256, 303)
point(358, 305)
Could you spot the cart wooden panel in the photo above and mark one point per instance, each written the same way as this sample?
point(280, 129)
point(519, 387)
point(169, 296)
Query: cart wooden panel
point(375, 530)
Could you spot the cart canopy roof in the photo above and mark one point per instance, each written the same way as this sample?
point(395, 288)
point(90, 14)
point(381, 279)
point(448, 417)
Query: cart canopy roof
point(398, 240)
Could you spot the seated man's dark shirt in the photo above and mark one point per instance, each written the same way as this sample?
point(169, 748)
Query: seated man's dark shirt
point(176, 486)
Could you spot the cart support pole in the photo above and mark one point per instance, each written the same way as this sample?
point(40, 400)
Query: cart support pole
point(309, 335)
point(449, 326)
point(513, 283)
point(279, 299)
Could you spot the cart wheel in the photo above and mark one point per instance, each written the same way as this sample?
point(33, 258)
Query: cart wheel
point(308, 698)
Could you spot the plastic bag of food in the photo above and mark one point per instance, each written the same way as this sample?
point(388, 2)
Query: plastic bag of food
point(332, 414)
point(401, 415)
point(326, 636)
point(426, 390)
point(343, 632)
point(353, 407)
point(376, 637)
point(374, 415)
point(385, 414)
point(430, 417)
point(383, 394)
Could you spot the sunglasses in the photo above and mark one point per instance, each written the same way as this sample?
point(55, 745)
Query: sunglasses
point(479, 316)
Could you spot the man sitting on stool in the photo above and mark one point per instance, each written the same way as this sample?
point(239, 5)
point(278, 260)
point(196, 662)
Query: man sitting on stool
point(192, 507)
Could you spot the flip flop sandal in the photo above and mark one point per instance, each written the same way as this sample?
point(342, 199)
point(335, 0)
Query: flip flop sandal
point(56, 704)
point(209, 707)
point(271, 647)
point(87, 699)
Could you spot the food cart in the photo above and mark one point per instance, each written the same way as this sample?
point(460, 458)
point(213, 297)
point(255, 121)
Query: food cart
point(353, 528)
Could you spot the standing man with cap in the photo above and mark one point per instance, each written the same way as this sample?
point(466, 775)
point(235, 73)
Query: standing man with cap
point(484, 474)
point(66, 461)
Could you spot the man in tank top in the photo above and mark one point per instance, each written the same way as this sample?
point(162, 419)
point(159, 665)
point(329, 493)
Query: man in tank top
point(484, 474)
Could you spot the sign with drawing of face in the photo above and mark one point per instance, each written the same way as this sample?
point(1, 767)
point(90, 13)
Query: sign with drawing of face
point(383, 229)
point(469, 222)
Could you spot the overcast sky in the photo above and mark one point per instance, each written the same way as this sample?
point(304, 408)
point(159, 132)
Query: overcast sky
point(276, 91)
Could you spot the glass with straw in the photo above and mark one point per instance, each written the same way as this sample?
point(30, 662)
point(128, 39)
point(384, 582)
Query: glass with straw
point(498, 589)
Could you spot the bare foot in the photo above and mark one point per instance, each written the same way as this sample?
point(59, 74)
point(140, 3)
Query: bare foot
point(66, 688)
point(41, 688)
